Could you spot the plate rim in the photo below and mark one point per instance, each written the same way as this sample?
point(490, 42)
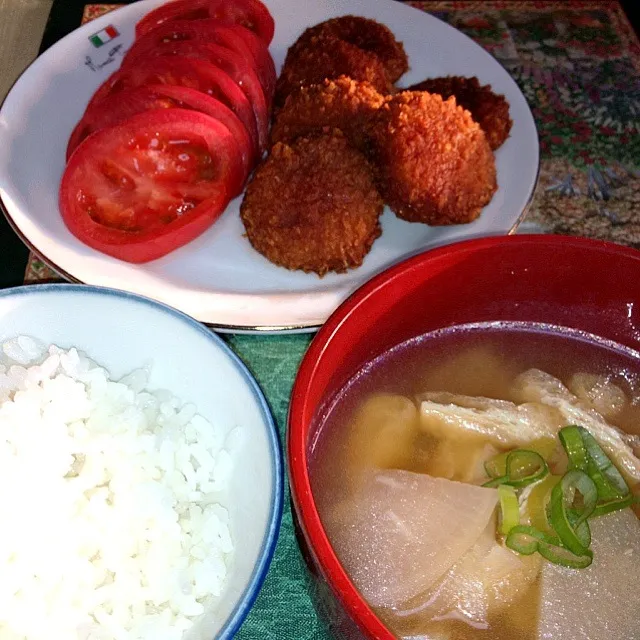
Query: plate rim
point(341, 291)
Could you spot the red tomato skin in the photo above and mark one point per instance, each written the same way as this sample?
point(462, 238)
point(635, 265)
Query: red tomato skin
point(263, 61)
point(129, 102)
point(138, 250)
point(176, 70)
point(252, 14)
point(251, 49)
point(236, 68)
point(170, 11)
point(144, 246)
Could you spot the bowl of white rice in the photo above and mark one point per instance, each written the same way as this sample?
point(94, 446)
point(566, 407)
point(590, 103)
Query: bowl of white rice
point(141, 480)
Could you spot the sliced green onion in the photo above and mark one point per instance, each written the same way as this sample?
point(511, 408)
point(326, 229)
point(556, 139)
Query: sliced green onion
point(496, 482)
point(565, 558)
point(521, 468)
point(583, 532)
point(536, 504)
point(603, 508)
point(525, 467)
point(600, 461)
point(527, 540)
point(496, 467)
point(568, 519)
point(571, 439)
point(509, 508)
point(592, 487)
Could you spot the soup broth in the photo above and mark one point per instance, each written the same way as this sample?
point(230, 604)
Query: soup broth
point(465, 364)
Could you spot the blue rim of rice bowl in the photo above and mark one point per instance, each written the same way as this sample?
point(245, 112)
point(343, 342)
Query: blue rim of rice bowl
point(242, 608)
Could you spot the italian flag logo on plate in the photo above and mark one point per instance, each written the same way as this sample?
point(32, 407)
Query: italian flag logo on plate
point(102, 37)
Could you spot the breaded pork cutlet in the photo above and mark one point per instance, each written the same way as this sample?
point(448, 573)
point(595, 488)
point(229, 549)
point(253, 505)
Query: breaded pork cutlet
point(364, 33)
point(344, 103)
point(313, 205)
point(434, 163)
point(490, 110)
point(327, 57)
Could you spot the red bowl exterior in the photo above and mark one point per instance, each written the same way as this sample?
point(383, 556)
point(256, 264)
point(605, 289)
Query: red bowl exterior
point(572, 282)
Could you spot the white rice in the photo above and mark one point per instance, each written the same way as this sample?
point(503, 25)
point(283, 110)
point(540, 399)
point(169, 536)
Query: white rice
point(111, 523)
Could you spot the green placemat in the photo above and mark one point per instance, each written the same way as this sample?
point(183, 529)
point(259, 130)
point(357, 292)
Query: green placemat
point(578, 64)
point(283, 610)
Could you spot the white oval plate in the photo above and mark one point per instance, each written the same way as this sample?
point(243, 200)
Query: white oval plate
point(218, 278)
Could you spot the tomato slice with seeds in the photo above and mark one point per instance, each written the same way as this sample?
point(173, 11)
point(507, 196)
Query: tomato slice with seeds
point(140, 189)
point(185, 72)
point(251, 14)
point(237, 69)
point(250, 48)
point(129, 102)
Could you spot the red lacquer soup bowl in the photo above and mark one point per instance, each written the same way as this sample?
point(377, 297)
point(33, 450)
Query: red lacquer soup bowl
point(570, 282)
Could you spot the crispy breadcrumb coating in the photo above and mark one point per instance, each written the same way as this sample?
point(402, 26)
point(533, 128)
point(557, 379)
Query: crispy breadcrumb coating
point(364, 33)
point(327, 57)
point(313, 205)
point(344, 103)
point(434, 164)
point(490, 110)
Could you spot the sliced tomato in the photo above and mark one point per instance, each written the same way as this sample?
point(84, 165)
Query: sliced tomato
point(251, 14)
point(174, 10)
point(140, 189)
point(129, 102)
point(262, 59)
point(185, 72)
point(236, 68)
point(250, 48)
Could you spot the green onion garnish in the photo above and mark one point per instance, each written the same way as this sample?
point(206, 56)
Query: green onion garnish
point(603, 508)
point(573, 444)
point(567, 515)
point(598, 460)
point(518, 469)
point(496, 467)
point(537, 501)
point(527, 540)
point(509, 508)
point(564, 557)
point(592, 487)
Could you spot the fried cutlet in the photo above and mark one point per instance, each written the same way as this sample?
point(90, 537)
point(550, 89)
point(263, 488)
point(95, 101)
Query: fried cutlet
point(364, 33)
point(313, 205)
point(328, 57)
point(344, 103)
point(433, 162)
point(490, 110)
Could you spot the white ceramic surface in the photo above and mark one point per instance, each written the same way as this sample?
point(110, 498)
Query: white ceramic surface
point(123, 332)
point(218, 278)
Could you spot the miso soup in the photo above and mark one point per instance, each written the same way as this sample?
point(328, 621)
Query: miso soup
point(480, 482)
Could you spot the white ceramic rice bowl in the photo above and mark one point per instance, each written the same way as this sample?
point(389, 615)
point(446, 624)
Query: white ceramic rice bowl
point(123, 332)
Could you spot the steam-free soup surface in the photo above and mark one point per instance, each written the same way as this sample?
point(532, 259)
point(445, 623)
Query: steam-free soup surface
point(403, 506)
